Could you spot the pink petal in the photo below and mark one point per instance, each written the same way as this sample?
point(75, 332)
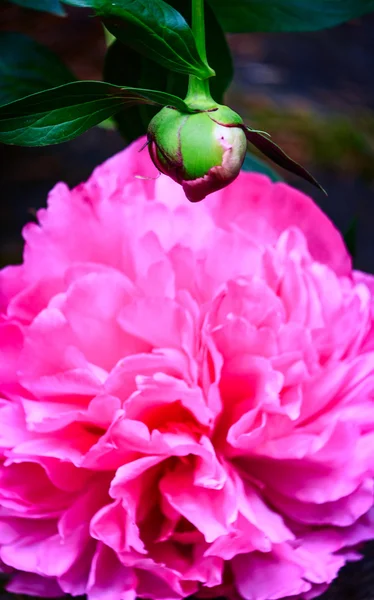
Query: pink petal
point(269, 576)
point(107, 568)
point(254, 204)
point(211, 511)
point(31, 584)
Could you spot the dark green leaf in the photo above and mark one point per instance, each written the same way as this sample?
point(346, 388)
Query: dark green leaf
point(123, 65)
point(350, 238)
point(219, 57)
point(27, 67)
point(270, 149)
point(153, 28)
point(253, 164)
point(64, 112)
point(51, 6)
point(79, 3)
point(239, 16)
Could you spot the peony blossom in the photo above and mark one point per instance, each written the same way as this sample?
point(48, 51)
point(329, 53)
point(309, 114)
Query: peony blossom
point(187, 393)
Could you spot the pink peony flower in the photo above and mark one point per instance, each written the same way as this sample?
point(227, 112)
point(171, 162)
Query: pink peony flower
point(187, 393)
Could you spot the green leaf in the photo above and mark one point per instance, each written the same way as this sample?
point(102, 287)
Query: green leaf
point(62, 113)
point(123, 65)
point(51, 6)
point(253, 164)
point(153, 28)
point(26, 67)
point(240, 16)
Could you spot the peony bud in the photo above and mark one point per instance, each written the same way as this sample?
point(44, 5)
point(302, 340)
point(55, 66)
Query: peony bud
point(203, 152)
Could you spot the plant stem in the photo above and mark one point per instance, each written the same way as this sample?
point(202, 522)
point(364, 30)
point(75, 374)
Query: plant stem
point(198, 94)
point(198, 27)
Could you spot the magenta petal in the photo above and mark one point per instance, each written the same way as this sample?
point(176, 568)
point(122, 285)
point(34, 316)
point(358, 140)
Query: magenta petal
point(106, 567)
point(31, 584)
point(268, 576)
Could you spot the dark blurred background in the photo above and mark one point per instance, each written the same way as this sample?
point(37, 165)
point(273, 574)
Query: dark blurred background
point(313, 91)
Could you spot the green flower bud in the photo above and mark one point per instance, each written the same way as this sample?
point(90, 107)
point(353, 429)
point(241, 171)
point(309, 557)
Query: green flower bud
point(203, 151)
